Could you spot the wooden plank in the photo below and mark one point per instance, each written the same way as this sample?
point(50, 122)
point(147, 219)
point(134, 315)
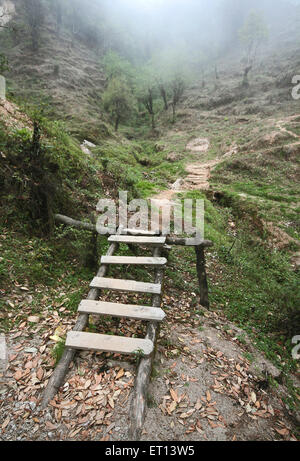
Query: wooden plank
point(137, 261)
point(139, 232)
point(107, 343)
point(146, 241)
point(189, 242)
point(130, 311)
point(125, 285)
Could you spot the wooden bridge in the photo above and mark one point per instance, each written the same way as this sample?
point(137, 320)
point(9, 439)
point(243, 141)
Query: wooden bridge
point(78, 339)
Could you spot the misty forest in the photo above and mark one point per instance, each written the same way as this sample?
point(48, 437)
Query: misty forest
point(140, 334)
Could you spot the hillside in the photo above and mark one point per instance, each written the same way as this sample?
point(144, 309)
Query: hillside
point(64, 74)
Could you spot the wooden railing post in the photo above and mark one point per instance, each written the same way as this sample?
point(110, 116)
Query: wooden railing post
point(202, 277)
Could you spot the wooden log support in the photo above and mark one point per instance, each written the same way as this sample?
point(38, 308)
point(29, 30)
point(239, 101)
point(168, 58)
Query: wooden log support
point(177, 241)
point(125, 285)
point(202, 277)
point(138, 240)
point(73, 223)
point(189, 242)
point(62, 368)
point(139, 400)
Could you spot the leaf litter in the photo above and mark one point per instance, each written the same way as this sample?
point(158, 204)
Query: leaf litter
point(201, 392)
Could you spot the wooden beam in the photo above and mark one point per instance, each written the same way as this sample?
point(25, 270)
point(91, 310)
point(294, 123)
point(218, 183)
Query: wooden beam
point(74, 223)
point(139, 400)
point(138, 240)
point(177, 241)
point(202, 277)
point(135, 261)
point(131, 311)
point(125, 285)
point(62, 367)
point(139, 232)
point(192, 242)
point(106, 343)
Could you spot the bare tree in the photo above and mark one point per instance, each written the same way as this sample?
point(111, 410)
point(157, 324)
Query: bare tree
point(253, 33)
point(177, 87)
point(148, 102)
point(163, 93)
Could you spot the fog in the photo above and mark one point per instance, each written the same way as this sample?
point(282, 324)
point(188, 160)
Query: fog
point(201, 31)
point(137, 29)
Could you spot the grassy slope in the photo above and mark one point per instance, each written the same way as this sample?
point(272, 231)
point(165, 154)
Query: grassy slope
point(251, 277)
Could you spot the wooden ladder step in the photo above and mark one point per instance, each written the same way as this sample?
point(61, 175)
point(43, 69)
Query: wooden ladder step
point(138, 261)
point(140, 232)
point(126, 285)
point(122, 310)
point(146, 241)
point(107, 343)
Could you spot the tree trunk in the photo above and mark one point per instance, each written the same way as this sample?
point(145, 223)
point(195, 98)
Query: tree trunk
point(245, 83)
point(164, 97)
point(117, 123)
point(174, 112)
point(139, 399)
point(153, 121)
point(216, 73)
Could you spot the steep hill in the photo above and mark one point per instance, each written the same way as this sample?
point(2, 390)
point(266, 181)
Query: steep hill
point(63, 73)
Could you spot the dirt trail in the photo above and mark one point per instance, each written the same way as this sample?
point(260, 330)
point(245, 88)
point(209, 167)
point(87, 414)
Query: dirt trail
point(198, 172)
point(280, 126)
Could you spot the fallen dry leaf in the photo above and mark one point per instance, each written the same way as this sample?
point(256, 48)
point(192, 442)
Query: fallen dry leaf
point(174, 395)
point(120, 374)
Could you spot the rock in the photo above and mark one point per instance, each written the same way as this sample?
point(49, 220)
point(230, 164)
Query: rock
point(159, 147)
point(177, 184)
point(30, 350)
point(198, 145)
point(32, 405)
point(264, 367)
point(86, 146)
point(173, 157)
point(3, 353)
